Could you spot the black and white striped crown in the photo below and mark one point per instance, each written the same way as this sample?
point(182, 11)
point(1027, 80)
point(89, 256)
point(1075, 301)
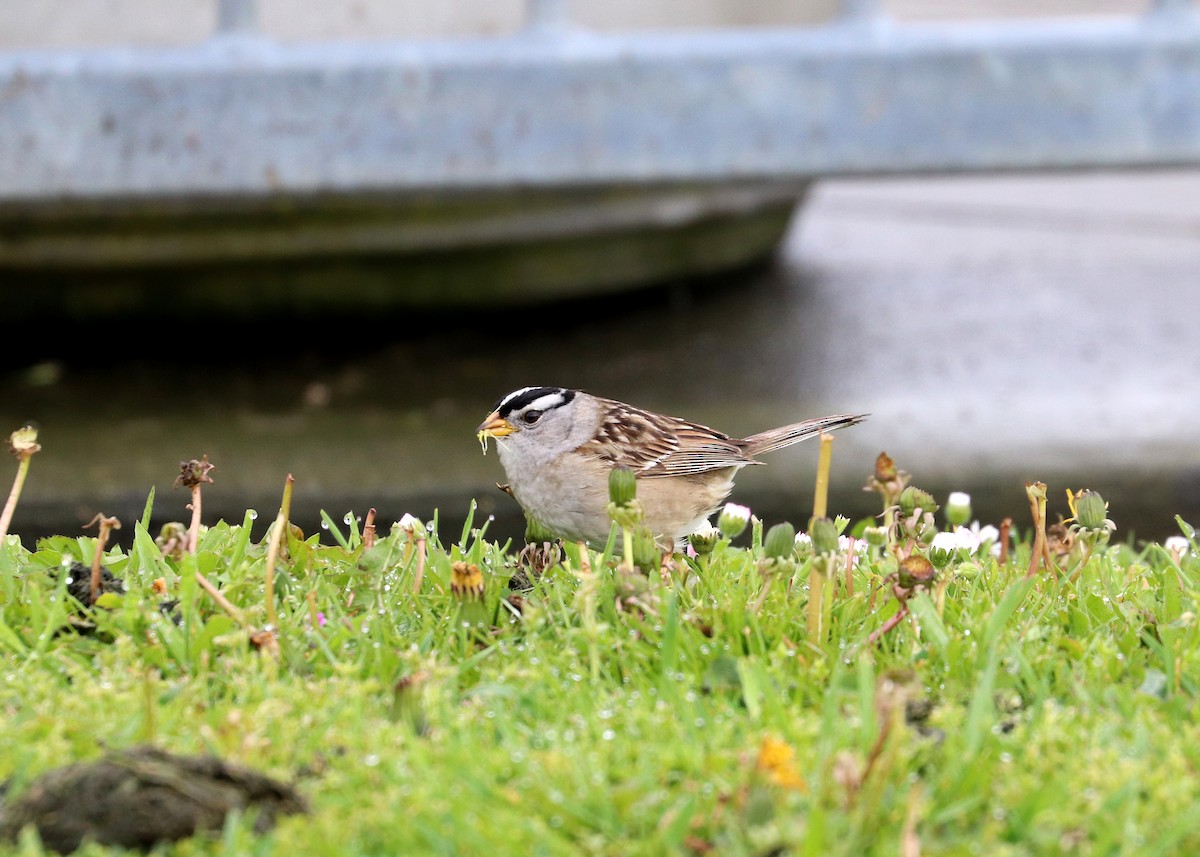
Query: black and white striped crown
point(534, 398)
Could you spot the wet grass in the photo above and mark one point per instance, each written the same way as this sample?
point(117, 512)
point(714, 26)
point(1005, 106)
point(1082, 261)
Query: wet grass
point(609, 712)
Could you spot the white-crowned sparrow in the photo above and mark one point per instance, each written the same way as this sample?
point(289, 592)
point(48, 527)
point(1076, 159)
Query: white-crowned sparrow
point(557, 447)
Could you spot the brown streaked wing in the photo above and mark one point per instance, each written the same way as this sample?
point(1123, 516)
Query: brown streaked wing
point(655, 445)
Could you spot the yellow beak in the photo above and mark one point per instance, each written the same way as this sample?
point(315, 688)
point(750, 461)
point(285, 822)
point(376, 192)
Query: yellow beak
point(494, 426)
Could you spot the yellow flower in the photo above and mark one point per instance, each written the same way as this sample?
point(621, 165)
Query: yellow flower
point(466, 581)
point(776, 759)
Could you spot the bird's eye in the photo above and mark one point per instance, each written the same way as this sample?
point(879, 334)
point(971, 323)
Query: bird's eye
point(531, 417)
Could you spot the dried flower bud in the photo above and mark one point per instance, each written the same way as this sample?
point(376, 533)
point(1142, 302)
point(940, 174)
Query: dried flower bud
point(781, 540)
point(824, 536)
point(466, 581)
point(916, 570)
point(1060, 540)
point(733, 520)
point(958, 508)
point(23, 442)
point(193, 473)
point(265, 641)
point(622, 485)
point(885, 468)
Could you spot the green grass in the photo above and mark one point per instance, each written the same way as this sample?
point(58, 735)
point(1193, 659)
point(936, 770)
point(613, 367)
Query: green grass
point(1054, 716)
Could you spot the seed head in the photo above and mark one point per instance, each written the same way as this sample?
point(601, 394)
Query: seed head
point(194, 472)
point(916, 570)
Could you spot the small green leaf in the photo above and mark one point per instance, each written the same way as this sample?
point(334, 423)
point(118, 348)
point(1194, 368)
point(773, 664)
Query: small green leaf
point(932, 627)
point(752, 687)
point(108, 600)
point(11, 640)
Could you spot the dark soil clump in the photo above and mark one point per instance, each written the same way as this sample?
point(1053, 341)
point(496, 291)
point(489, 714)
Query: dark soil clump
point(139, 797)
point(79, 585)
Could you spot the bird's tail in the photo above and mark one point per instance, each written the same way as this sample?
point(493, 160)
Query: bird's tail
point(777, 438)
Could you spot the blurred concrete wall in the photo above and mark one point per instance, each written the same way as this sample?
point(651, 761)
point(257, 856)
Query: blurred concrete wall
point(28, 23)
point(70, 23)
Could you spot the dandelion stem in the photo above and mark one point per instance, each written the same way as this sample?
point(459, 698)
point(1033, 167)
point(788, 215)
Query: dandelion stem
point(192, 475)
point(13, 496)
point(221, 600)
point(895, 619)
point(277, 533)
point(419, 576)
point(821, 492)
point(106, 524)
point(194, 529)
point(816, 598)
point(1040, 554)
point(369, 530)
point(97, 555)
point(24, 445)
point(828, 593)
point(850, 555)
